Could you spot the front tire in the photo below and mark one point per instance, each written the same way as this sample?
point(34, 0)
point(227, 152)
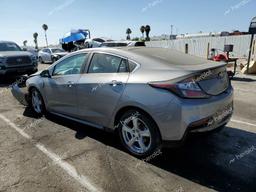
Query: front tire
point(37, 102)
point(138, 133)
point(54, 59)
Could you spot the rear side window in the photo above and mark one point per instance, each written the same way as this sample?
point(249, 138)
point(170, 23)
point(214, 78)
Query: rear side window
point(104, 63)
point(132, 65)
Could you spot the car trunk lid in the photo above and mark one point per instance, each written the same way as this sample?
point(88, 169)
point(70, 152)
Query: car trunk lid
point(213, 81)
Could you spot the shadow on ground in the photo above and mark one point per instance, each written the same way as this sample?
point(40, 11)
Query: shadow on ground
point(244, 79)
point(211, 161)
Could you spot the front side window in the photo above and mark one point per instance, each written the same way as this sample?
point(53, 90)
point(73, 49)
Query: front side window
point(71, 65)
point(47, 51)
point(57, 50)
point(104, 63)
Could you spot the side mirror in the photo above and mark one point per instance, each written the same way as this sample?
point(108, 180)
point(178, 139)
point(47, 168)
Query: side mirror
point(45, 73)
point(24, 49)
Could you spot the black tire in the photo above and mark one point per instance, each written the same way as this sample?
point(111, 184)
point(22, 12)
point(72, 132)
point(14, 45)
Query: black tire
point(54, 59)
point(39, 110)
point(40, 60)
point(151, 126)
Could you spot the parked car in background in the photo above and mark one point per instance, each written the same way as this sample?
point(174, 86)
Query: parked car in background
point(50, 55)
point(31, 50)
point(123, 44)
point(15, 61)
point(151, 96)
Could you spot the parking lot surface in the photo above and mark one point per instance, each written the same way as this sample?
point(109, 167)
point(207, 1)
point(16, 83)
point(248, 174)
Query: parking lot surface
point(54, 154)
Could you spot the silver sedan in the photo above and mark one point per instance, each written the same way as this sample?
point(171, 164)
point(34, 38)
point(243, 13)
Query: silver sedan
point(150, 96)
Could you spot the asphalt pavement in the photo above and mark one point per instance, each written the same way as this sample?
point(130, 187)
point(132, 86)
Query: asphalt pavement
point(53, 154)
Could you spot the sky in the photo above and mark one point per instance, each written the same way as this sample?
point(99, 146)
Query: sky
point(19, 19)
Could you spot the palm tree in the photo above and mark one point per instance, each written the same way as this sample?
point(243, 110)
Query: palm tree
point(128, 32)
point(142, 30)
point(25, 43)
point(35, 35)
point(147, 29)
point(45, 28)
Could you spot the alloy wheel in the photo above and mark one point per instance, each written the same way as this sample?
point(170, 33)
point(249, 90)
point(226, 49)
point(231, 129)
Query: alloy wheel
point(136, 135)
point(37, 102)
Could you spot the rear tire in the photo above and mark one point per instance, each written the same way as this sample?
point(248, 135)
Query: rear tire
point(37, 102)
point(139, 134)
point(40, 60)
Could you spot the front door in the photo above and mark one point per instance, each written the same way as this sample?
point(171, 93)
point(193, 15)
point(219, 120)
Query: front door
point(60, 89)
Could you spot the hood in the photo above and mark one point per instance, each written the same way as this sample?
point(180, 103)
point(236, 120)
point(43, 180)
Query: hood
point(36, 74)
point(60, 54)
point(14, 53)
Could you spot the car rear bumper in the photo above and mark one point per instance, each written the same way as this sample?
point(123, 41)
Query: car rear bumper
point(198, 115)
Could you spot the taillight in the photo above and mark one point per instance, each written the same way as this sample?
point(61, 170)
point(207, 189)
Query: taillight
point(187, 88)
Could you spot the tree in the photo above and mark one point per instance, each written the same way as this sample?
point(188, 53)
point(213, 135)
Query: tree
point(147, 29)
point(128, 32)
point(35, 35)
point(142, 30)
point(45, 28)
point(25, 43)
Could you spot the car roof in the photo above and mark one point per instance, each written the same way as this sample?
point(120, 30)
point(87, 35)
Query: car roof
point(157, 58)
point(7, 42)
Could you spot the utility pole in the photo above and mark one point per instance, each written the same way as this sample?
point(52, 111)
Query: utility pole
point(171, 29)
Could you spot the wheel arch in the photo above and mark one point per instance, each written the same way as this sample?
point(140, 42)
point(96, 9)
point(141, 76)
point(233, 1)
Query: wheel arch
point(122, 110)
point(35, 87)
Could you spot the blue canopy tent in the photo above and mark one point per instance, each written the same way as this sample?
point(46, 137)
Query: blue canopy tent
point(75, 35)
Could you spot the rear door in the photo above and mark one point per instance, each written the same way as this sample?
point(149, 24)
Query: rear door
point(48, 55)
point(101, 87)
point(60, 89)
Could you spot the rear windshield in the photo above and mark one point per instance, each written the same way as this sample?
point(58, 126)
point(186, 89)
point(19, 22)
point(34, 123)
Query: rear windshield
point(140, 44)
point(57, 50)
point(9, 47)
point(113, 44)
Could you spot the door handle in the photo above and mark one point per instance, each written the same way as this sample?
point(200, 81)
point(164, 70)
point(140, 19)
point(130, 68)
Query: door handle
point(70, 84)
point(115, 83)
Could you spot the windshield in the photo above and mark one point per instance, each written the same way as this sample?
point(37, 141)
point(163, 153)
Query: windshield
point(9, 47)
point(57, 50)
point(113, 44)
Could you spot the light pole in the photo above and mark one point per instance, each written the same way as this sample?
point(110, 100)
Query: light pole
point(252, 31)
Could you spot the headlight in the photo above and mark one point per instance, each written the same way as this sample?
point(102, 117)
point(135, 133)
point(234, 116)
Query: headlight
point(56, 56)
point(33, 57)
point(2, 63)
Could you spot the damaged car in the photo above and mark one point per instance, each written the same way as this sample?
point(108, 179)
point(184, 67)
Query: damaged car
point(51, 55)
point(152, 97)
